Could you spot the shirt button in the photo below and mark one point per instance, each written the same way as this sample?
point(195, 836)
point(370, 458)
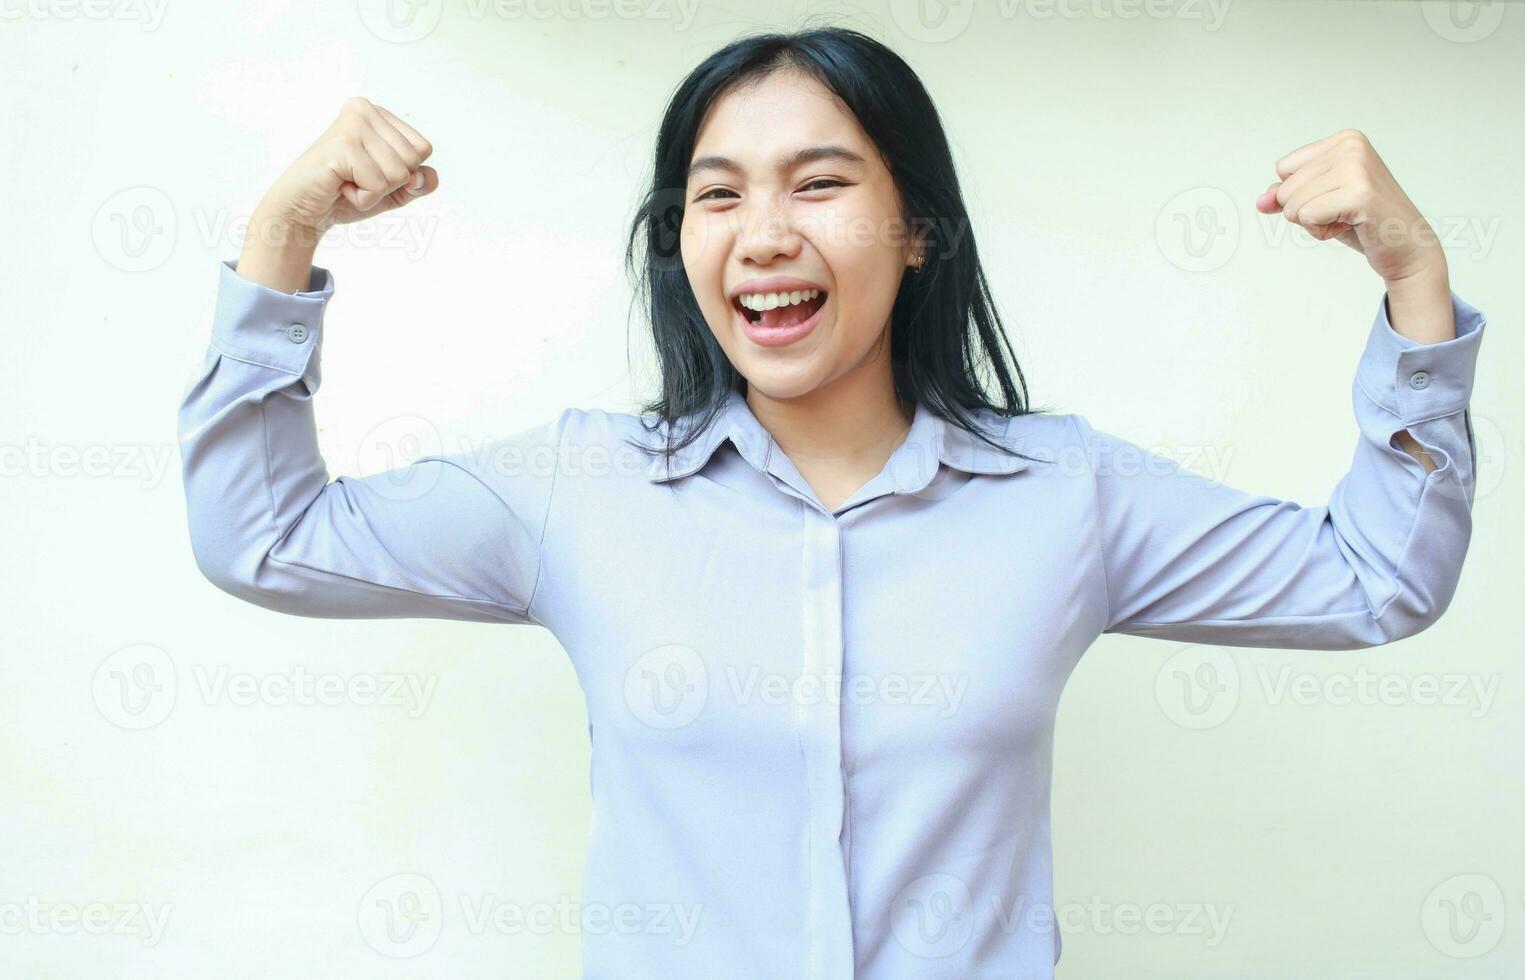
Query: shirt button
point(1419, 380)
point(296, 333)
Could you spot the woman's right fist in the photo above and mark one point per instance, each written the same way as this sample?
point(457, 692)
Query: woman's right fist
point(366, 163)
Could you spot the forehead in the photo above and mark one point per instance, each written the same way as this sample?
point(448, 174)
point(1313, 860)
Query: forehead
point(748, 122)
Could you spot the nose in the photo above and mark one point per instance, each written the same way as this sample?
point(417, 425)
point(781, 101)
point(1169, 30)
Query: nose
point(766, 233)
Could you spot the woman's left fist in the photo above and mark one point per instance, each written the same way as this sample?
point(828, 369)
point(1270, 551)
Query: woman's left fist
point(1339, 188)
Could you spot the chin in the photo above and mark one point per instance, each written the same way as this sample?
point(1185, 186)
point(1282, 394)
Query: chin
point(782, 382)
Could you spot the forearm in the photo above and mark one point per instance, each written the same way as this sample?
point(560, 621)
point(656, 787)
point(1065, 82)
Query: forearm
point(278, 253)
point(1419, 308)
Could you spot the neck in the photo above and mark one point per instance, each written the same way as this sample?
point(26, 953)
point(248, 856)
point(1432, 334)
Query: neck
point(852, 419)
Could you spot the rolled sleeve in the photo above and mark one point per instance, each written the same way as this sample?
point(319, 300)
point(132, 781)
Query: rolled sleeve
point(260, 325)
point(1417, 382)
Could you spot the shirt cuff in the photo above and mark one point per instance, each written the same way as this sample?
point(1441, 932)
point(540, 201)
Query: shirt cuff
point(266, 326)
point(1415, 381)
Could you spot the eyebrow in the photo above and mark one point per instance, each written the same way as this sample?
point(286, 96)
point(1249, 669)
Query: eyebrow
point(800, 157)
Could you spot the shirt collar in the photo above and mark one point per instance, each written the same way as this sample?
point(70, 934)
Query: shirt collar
point(930, 441)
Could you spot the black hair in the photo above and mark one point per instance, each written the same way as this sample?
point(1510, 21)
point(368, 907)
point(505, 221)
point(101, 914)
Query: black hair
point(944, 328)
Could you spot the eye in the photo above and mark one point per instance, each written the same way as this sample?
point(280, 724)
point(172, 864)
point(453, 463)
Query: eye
point(824, 180)
point(706, 195)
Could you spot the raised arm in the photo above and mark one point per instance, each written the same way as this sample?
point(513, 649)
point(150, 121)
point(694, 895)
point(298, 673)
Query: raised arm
point(1188, 558)
point(450, 536)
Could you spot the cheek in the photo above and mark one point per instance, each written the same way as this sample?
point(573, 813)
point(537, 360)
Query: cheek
point(866, 278)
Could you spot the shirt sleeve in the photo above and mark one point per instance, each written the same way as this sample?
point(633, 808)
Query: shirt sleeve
point(454, 536)
point(1188, 558)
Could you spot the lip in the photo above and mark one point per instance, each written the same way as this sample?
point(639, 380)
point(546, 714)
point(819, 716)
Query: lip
point(778, 336)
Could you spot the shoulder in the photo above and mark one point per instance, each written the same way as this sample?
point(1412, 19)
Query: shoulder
point(602, 443)
point(1044, 434)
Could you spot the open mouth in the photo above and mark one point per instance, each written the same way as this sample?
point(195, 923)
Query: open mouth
point(782, 317)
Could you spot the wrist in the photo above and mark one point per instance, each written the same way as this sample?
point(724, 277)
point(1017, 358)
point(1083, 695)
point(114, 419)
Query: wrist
point(278, 252)
point(1419, 306)
point(1427, 274)
point(274, 228)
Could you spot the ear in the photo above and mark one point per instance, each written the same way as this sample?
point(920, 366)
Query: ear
point(916, 250)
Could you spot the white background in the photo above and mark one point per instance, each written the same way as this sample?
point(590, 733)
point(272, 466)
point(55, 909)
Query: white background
point(1334, 835)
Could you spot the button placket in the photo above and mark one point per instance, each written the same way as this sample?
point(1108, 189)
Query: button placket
point(820, 720)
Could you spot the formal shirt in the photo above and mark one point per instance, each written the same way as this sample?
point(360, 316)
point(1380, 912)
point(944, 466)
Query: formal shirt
point(822, 736)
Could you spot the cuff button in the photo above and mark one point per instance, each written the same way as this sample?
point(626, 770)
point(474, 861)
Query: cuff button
point(296, 333)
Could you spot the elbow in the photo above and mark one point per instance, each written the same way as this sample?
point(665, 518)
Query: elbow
point(1413, 610)
point(231, 572)
point(225, 575)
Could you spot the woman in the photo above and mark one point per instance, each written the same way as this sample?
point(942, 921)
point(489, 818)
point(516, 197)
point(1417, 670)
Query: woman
point(823, 594)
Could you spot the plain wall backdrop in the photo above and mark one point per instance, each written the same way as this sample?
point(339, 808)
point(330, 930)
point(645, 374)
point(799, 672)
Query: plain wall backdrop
point(191, 786)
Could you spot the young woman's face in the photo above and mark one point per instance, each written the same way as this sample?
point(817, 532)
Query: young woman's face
point(828, 220)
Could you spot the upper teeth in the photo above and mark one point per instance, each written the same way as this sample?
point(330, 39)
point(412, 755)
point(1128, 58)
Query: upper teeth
point(772, 301)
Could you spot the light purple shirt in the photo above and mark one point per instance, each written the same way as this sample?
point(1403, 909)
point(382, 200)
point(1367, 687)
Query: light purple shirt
point(822, 737)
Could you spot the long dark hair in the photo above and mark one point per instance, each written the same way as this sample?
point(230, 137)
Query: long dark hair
point(944, 331)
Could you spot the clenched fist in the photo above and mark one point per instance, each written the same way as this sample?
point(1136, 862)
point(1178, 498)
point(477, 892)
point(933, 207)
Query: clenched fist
point(366, 163)
point(1338, 187)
